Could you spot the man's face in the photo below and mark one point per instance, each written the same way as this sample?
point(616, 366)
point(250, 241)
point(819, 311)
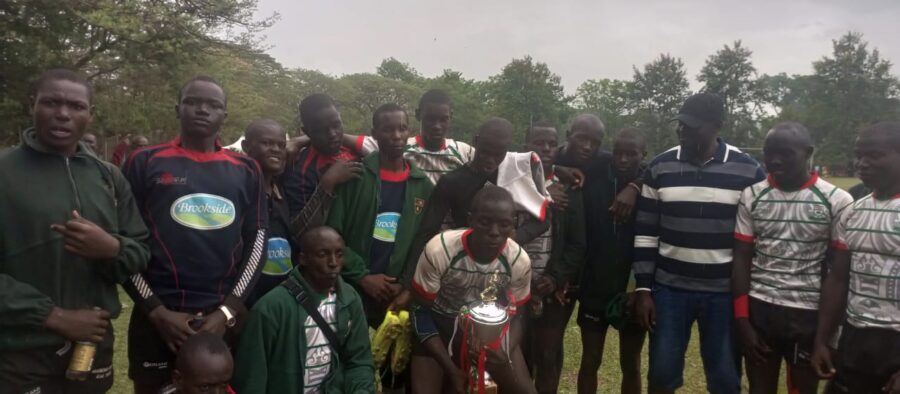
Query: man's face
point(583, 144)
point(785, 160)
point(266, 145)
point(392, 133)
point(323, 260)
point(90, 140)
point(435, 120)
point(202, 109)
point(877, 160)
point(544, 141)
point(492, 223)
point(61, 111)
point(141, 142)
point(489, 153)
point(694, 139)
point(627, 155)
point(210, 375)
point(326, 131)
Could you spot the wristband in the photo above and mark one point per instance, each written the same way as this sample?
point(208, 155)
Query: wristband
point(741, 307)
point(647, 289)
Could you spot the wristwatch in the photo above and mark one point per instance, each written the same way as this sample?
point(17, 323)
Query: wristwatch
point(229, 316)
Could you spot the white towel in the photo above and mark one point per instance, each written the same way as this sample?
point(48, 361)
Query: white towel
point(522, 176)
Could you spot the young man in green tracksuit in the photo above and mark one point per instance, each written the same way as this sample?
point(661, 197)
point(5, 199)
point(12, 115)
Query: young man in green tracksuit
point(282, 348)
point(70, 231)
point(378, 216)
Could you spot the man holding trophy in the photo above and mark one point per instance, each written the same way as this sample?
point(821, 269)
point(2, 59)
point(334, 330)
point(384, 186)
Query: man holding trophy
point(472, 280)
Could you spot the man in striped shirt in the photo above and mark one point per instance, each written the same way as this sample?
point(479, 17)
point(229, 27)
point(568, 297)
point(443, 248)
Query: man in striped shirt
point(683, 243)
point(784, 226)
point(862, 291)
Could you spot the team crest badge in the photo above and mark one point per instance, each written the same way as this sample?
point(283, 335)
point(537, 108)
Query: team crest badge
point(420, 205)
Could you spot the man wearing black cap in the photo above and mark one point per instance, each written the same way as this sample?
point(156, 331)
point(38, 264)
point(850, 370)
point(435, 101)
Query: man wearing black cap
point(683, 244)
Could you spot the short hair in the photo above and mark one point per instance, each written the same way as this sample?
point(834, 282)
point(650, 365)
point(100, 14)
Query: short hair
point(434, 96)
point(385, 109)
point(634, 133)
point(200, 78)
point(890, 129)
point(61, 74)
point(541, 124)
point(491, 194)
point(312, 104)
point(199, 344)
point(796, 129)
point(591, 120)
point(310, 235)
point(261, 122)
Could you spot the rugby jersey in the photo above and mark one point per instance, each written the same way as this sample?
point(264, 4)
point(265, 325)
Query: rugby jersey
point(870, 230)
point(791, 231)
point(434, 164)
point(302, 175)
point(207, 216)
point(684, 231)
point(448, 274)
point(317, 362)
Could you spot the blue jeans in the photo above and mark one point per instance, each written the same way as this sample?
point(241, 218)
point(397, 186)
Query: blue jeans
point(676, 311)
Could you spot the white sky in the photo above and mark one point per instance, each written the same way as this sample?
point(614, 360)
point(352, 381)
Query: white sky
point(578, 39)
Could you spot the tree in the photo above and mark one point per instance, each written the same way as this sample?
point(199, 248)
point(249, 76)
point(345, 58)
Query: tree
point(369, 91)
point(657, 93)
point(730, 74)
point(468, 98)
point(526, 91)
point(394, 69)
point(610, 99)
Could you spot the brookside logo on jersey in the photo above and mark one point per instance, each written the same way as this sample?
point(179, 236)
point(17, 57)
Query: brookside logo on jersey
point(203, 211)
point(386, 226)
point(279, 260)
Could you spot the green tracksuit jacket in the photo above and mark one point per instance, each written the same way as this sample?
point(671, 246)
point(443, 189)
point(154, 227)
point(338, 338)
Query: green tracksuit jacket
point(272, 347)
point(353, 214)
point(39, 188)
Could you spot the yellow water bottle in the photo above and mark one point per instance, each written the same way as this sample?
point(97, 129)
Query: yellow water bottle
point(82, 361)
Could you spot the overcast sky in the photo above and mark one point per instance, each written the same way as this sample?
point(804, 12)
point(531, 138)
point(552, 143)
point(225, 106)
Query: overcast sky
point(579, 40)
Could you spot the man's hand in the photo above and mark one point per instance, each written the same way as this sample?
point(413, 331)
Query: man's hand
point(401, 301)
point(78, 325)
point(173, 327)
point(623, 206)
point(86, 239)
point(821, 361)
point(570, 175)
point(295, 145)
point(543, 285)
point(459, 381)
point(645, 310)
point(559, 195)
point(562, 294)
point(893, 384)
point(754, 347)
point(378, 286)
point(339, 172)
point(214, 323)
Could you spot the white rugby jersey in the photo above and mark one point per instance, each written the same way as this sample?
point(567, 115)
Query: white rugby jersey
point(791, 231)
point(317, 363)
point(870, 230)
point(434, 164)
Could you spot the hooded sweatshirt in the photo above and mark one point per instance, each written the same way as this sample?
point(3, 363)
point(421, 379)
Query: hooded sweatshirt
point(40, 188)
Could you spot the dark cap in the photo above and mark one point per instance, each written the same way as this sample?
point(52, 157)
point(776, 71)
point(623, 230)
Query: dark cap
point(701, 108)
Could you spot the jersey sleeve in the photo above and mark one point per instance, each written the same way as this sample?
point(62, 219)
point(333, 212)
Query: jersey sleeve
point(366, 144)
point(253, 235)
point(430, 268)
point(520, 283)
point(743, 228)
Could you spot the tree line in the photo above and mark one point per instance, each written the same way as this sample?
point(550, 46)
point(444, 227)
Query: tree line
point(137, 53)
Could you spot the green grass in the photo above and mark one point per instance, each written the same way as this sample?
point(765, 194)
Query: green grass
point(610, 378)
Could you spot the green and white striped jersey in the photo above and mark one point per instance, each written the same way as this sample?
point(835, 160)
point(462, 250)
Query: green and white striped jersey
point(434, 164)
point(791, 232)
point(317, 363)
point(870, 229)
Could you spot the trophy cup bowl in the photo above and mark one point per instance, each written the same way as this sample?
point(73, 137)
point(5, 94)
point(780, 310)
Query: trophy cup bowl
point(488, 321)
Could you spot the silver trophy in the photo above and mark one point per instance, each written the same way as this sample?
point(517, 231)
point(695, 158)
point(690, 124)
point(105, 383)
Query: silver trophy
point(488, 319)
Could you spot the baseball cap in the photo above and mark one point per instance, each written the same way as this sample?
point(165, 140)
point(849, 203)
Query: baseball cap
point(701, 108)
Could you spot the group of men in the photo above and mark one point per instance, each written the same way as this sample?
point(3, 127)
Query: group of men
point(263, 271)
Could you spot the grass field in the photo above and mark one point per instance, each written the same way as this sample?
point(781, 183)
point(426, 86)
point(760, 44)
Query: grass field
point(694, 381)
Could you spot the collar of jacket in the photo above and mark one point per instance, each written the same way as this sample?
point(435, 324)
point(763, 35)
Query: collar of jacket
point(339, 288)
point(30, 140)
point(370, 162)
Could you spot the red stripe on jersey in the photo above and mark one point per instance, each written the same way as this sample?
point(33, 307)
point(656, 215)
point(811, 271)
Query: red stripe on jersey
point(743, 237)
point(422, 292)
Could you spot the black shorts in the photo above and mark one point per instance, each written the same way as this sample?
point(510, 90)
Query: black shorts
point(865, 360)
point(43, 370)
point(595, 321)
point(788, 332)
point(150, 362)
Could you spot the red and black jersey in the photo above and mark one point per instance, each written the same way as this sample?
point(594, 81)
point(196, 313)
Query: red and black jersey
point(207, 216)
